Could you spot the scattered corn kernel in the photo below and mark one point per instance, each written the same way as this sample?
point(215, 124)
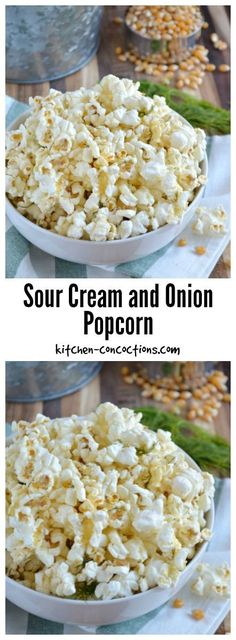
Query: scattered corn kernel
point(174, 394)
point(146, 393)
point(129, 379)
point(181, 242)
point(198, 614)
point(178, 603)
point(191, 415)
point(179, 391)
point(210, 67)
point(181, 402)
point(200, 250)
point(200, 412)
point(186, 395)
point(197, 393)
point(224, 68)
point(179, 84)
point(185, 73)
point(220, 45)
point(207, 417)
point(117, 20)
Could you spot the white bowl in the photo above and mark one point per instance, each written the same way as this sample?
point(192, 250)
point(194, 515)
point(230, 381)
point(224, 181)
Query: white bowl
point(102, 612)
point(111, 252)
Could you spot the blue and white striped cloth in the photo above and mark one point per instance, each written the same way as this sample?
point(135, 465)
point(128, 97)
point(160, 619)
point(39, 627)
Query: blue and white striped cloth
point(162, 621)
point(23, 260)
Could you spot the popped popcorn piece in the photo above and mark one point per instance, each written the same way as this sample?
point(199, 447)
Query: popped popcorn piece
point(212, 580)
point(210, 222)
point(56, 579)
point(102, 500)
point(107, 590)
point(104, 163)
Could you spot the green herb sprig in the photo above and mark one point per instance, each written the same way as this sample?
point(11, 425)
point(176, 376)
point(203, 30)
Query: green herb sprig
point(210, 452)
point(200, 113)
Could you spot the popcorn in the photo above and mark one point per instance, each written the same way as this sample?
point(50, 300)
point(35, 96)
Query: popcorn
point(156, 572)
point(104, 163)
point(166, 539)
point(116, 547)
point(210, 222)
point(181, 139)
point(99, 229)
point(212, 580)
point(107, 591)
point(101, 501)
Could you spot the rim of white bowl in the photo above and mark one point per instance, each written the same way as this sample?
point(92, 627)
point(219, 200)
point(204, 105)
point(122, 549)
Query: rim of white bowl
point(204, 162)
point(74, 601)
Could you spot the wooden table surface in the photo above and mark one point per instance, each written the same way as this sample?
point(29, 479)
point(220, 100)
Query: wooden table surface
point(108, 386)
point(215, 87)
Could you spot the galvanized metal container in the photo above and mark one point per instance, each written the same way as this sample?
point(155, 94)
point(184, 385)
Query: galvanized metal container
point(49, 42)
point(32, 381)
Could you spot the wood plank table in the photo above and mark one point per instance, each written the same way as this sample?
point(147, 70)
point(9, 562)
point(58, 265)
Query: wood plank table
point(108, 386)
point(215, 87)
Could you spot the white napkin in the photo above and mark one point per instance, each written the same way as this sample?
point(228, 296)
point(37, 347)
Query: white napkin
point(170, 621)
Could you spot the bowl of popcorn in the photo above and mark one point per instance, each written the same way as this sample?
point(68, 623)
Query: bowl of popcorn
point(103, 175)
point(106, 519)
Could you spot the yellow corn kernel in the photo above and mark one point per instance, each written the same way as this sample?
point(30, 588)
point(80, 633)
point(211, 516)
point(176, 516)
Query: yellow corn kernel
point(210, 67)
point(191, 415)
point(224, 68)
point(124, 371)
point(200, 250)
point(198, 614)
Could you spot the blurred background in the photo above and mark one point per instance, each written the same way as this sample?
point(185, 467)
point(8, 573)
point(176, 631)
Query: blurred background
point(66, 47)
